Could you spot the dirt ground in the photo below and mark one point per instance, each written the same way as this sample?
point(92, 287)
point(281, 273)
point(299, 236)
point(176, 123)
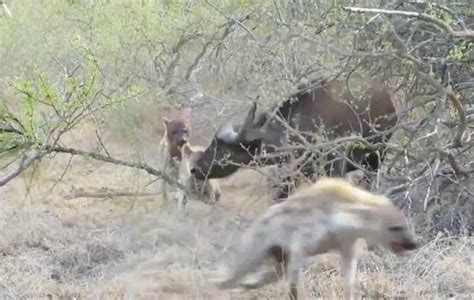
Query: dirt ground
point(55, 246)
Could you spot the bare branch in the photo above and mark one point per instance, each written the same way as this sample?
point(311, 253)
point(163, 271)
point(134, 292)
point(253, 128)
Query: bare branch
point(97, 156)
point(193, 67)
point(457, 168)
point(176, 57)
point(102, 145)
point(25, 163)
point(457, 141)
point(338, 141)
point(452, 13)
point(236, 21)
point(4, 128)
point(443, 25)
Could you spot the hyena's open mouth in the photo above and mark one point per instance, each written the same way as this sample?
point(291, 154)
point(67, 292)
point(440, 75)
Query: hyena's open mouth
point(399, 247)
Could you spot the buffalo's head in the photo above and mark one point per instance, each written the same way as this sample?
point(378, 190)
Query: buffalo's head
point(230, 148)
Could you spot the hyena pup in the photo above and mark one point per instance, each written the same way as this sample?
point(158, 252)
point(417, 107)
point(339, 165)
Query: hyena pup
point(206, 191)
point(177, 131)
point(328, 215)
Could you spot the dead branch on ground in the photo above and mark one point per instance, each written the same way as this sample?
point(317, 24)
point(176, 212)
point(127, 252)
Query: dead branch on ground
point(106, 193)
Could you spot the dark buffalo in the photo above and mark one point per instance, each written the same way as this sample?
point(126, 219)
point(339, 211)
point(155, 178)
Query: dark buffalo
point(330, 105)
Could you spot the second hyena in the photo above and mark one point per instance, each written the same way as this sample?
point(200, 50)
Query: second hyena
point(177, 130)
point(331, 214)
point(207, 190)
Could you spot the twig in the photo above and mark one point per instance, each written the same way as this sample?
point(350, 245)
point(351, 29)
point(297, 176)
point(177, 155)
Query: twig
point(443, 25)
point(396, 189)
point(452, 13)
point(9, 129)
point(8, 13)
point(339, 141)
point(102, 145)
point(192, 68)
point(457, 168)
point(432, 174)
point(25, 162)
point(457, 141)
point(175, 59)
point(236, 21)
point(60, 178)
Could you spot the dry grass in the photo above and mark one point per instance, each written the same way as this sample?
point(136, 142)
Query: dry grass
point(126, 248)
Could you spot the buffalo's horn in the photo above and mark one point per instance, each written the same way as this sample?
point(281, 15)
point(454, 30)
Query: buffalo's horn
point(248, 123)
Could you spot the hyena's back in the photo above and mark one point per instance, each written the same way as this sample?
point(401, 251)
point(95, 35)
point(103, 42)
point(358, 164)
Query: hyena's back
point(337, 191)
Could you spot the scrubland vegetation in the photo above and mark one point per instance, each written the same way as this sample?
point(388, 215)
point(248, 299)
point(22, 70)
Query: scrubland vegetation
point(84, 87)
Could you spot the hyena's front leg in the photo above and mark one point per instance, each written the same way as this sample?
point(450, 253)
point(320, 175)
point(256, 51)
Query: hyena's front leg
point(165, 194)
point(279, 262)
point(249, 255)
point(295, 263)
point(214, 190)
point(296, 259)
point(181, 202)
point(349, 267)
point(306, 241)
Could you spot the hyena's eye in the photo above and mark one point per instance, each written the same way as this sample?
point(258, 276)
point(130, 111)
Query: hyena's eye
point(395, 228)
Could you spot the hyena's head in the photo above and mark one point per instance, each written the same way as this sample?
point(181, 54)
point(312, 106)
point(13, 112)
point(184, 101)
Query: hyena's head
point(177, 132)
point(389, 229)
point(189, 157)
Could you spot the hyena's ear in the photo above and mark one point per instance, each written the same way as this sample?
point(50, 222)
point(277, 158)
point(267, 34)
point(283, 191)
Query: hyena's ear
point(355, 177)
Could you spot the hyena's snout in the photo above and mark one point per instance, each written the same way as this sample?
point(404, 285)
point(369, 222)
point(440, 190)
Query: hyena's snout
point(404, 243)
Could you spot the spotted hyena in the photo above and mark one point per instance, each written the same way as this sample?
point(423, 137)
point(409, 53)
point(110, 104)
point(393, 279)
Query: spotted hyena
point(176, 135)
point(328, 215)
point(207, 190)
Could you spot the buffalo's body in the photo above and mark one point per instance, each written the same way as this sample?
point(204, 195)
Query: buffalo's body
point(329, 107)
